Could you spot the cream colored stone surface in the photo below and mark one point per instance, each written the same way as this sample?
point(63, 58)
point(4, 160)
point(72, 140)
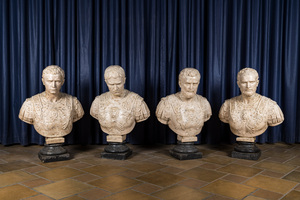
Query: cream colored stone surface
point(250, 114)
point(118, 110)
point(51, 112)
point(185, 112)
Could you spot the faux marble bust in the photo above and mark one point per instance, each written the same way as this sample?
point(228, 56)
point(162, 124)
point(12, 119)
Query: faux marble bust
point(250, 114)
point(185, 112)
point(51, 112)
point(118, 110)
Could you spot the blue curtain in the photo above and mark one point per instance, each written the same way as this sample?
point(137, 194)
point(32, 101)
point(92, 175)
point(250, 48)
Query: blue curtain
point(152, 40)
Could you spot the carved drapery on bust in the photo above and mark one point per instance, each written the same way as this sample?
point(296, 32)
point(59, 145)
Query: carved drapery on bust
point(250, 114)
point(118, 110)
point(185, 112)
point(52, 113)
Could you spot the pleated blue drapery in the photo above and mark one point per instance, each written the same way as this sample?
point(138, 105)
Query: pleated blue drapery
point(152, 40)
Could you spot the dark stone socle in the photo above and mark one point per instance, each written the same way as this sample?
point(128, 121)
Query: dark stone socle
point(246, 150)
point(116, 151)
point(53, 153)
point(185, 151)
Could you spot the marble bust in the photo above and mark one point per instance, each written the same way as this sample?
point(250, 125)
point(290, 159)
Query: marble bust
point(118, 110)
point(185, 112)
point(52, 112)
point(250, 114)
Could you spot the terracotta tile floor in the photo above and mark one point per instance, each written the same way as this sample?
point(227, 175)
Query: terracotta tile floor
point(150, 173)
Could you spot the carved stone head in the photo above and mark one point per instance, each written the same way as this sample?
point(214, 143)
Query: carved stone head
point(114, 76)
point(189, 79)
point(53, 78)
point(247, 80)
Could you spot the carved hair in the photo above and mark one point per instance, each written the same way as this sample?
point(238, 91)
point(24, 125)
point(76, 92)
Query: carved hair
point(247, 71)
point(114, 71)
point(189, 72)
point(53, 69)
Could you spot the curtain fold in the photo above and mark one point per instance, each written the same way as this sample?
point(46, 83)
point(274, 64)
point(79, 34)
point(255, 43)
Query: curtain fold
point(153, 40)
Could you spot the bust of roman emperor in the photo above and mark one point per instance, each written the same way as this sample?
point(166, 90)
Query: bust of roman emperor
point(118, 110)
point(52, 112)
point(185, 112)
point(250, 114)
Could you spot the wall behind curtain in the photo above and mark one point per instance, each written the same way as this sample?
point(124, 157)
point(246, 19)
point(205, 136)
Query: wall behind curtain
point(152, 40)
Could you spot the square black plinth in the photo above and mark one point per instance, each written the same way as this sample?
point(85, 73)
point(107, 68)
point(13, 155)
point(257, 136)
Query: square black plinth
point(116, 156)
point(54, 158)
point(185, 156)
point(247, 156)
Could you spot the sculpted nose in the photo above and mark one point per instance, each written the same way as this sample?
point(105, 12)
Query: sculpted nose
point(53, 84)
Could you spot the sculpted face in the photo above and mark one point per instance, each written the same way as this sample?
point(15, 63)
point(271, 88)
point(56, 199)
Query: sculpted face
point(189, 86)
point(52, 83)
point(248, 84)
point(115, 85)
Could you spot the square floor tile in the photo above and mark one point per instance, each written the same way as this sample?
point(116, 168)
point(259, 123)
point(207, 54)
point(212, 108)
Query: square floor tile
point(39, 197)
point(146, 188)
point(62, 189)
point(220, 160)
point(172, 170)
point(272, 184)
point(272, 174)
point(217, 197)
point(75, 197)
point(131, 173)
point(14, 177)
point(60, 173)
point(240, 170)
point(36, 182)
point(145, 166)
point(86, 177)
point(293, 195)
point(183, 164)
point(211, 166)
point(105, 170)
point(253, 198)
point(229, 189)
point(202, 174)
point(58, 164)
point(192, 183)
point(275, 167)
point(128, 195)
point(267, 194)
point(94, 194)
point(15, 166)
point(294, 161)
point(36, 169)
point(293, 176)
point(161, 178)
point(179, 192)
point(235, 178)
point(114, 183)
point(16, 192)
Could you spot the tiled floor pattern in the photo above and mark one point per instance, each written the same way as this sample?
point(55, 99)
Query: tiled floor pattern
point(150, 173)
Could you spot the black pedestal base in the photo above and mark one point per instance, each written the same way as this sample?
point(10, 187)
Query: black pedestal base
point(246, 150)
point(185, 151)
point(53, 153)
point(116, 151)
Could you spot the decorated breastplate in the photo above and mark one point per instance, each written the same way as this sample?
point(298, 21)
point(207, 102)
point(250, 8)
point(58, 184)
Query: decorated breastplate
point(117, 117)
point(248, 121)
point(53, 119)
point(187, 116)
